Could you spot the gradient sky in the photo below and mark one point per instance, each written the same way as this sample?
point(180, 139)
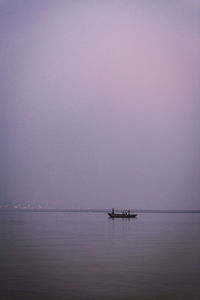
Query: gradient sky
point(100, 103)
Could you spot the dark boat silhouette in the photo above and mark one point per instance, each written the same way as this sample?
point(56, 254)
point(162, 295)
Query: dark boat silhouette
point(124, 214)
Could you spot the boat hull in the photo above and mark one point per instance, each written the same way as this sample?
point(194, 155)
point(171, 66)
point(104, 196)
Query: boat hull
point(122, 215)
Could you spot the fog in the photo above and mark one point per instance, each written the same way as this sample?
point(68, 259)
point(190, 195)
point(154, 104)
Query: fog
point(100, 104)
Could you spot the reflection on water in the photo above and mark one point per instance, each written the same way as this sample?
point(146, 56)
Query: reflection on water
point(55, 255)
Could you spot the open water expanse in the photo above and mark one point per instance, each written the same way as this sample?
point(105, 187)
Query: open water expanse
point(71, 255)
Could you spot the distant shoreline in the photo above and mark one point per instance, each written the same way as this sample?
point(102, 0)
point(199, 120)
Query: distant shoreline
point(97, 210)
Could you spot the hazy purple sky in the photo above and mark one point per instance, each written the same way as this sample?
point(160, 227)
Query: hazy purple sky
point(100, 103)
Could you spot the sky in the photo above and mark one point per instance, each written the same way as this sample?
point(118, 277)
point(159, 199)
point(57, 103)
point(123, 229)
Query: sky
point(99, 104)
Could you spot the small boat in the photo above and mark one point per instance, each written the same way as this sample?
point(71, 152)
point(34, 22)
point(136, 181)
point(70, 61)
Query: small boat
point(124, 214)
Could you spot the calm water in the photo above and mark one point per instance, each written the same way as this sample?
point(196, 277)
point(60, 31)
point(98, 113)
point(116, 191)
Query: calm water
point(59, 255)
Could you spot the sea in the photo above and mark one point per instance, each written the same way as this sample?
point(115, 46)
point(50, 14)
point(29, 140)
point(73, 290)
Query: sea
point(59, 255)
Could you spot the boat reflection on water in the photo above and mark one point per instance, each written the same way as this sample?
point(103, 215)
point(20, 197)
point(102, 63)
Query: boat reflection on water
point(124, 214)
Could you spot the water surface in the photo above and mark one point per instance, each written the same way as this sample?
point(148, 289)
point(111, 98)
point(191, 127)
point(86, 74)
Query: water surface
point(71, 255)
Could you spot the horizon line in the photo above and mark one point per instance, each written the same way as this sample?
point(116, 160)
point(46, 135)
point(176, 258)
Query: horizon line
point(100, 210)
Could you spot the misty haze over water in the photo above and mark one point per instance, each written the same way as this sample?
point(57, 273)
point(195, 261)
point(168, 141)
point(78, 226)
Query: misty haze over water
point(99, 108)
point(100, 104)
